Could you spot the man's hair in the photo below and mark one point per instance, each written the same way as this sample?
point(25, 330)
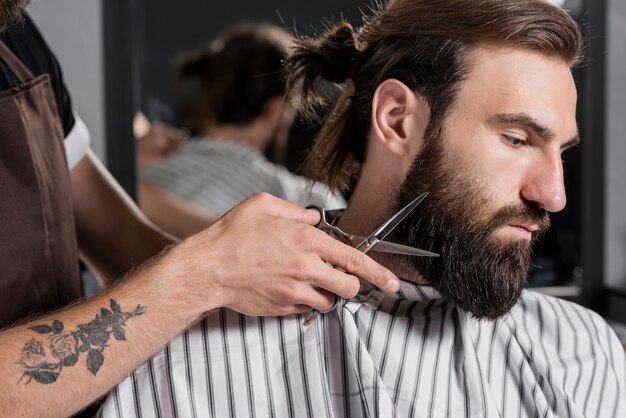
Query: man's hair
point(422, 43)
point(238, 73)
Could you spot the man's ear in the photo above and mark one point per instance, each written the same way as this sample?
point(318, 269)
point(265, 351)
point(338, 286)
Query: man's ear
point(399, 117)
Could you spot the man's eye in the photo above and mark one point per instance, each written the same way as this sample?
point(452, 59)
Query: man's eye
point(513, 140)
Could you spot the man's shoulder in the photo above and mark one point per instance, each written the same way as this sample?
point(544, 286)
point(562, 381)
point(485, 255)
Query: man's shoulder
point(552, 314)
point(537, 303)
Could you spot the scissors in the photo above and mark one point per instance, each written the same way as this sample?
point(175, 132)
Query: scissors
point(373, 242)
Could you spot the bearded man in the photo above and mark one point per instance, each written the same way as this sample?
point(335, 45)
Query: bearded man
point(473, 102)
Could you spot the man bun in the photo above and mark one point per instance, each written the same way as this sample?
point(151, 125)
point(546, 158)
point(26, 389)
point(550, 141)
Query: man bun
point(329, 57)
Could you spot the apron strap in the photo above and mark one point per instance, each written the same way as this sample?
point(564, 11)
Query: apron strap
point(22, 73)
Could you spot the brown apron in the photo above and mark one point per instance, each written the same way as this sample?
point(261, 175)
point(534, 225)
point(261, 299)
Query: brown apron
point(38, 252)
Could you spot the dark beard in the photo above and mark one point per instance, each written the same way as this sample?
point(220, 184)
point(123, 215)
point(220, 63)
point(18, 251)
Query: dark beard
point(11, 12)
point(482, 274)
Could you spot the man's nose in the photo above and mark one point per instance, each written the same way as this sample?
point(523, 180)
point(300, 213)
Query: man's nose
point(544, 184)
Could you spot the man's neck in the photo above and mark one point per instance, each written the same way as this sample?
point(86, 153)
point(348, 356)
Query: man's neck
point(366, 211)
point(401, 266)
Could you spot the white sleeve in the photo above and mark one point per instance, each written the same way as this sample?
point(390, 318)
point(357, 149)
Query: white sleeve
point(76, 142)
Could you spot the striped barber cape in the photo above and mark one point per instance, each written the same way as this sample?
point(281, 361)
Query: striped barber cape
point(411, 354)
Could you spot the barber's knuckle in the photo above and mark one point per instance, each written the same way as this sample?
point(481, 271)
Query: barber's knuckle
point(302, 267)
point(298, 296)
point(310, 239)
point(261, 196)
point(268, 199)
point(354, 262)
point(289, 293)
point(260, 199)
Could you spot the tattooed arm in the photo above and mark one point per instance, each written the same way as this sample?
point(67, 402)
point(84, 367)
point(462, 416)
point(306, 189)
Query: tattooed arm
point(259, 259)
point(59, 364)
point(66, 346)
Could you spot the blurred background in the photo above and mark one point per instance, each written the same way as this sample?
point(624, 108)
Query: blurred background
point(118, 58)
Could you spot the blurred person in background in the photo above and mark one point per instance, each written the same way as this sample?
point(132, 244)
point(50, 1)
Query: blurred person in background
point(238, 112)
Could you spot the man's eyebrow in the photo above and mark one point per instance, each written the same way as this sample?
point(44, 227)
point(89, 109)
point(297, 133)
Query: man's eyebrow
point(526, 121)
point(523, 120)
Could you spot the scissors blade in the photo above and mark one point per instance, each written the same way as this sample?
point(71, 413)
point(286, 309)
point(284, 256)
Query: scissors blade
point(384, 230)
point(392, 222)
point(393, 248)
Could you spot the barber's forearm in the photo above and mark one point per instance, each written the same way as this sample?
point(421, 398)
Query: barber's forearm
point(113, 234)
point(128, 248)
point(60, 363)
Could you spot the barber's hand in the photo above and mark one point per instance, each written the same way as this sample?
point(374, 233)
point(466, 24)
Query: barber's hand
point(264, 257)
point(155, 140)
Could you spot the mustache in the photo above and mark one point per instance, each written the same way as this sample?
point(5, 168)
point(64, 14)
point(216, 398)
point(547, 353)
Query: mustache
point(526, 212)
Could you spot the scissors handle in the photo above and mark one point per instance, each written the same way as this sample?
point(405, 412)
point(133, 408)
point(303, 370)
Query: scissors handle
point(367, 244)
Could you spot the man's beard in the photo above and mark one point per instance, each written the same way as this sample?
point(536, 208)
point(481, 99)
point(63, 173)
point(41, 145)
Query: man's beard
point(11, 12)
point(483, 274)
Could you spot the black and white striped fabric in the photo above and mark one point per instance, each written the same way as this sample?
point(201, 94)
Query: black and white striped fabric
point(218, 174)
point(413, 354)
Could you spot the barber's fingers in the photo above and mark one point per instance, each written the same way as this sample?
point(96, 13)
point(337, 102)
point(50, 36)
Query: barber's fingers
point(318, 299)
point(274, 206)
point(337, 281)
point(358, 264)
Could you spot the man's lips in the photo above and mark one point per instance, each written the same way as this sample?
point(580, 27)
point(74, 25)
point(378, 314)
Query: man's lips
point(523, 230)
point(530, 227)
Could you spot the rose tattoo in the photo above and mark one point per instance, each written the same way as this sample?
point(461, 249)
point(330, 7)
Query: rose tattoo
point(65, 347)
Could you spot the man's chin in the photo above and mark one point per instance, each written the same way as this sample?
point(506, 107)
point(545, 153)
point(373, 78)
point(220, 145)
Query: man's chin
point(485, 282)
point(483, 303)
point(488, 311)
